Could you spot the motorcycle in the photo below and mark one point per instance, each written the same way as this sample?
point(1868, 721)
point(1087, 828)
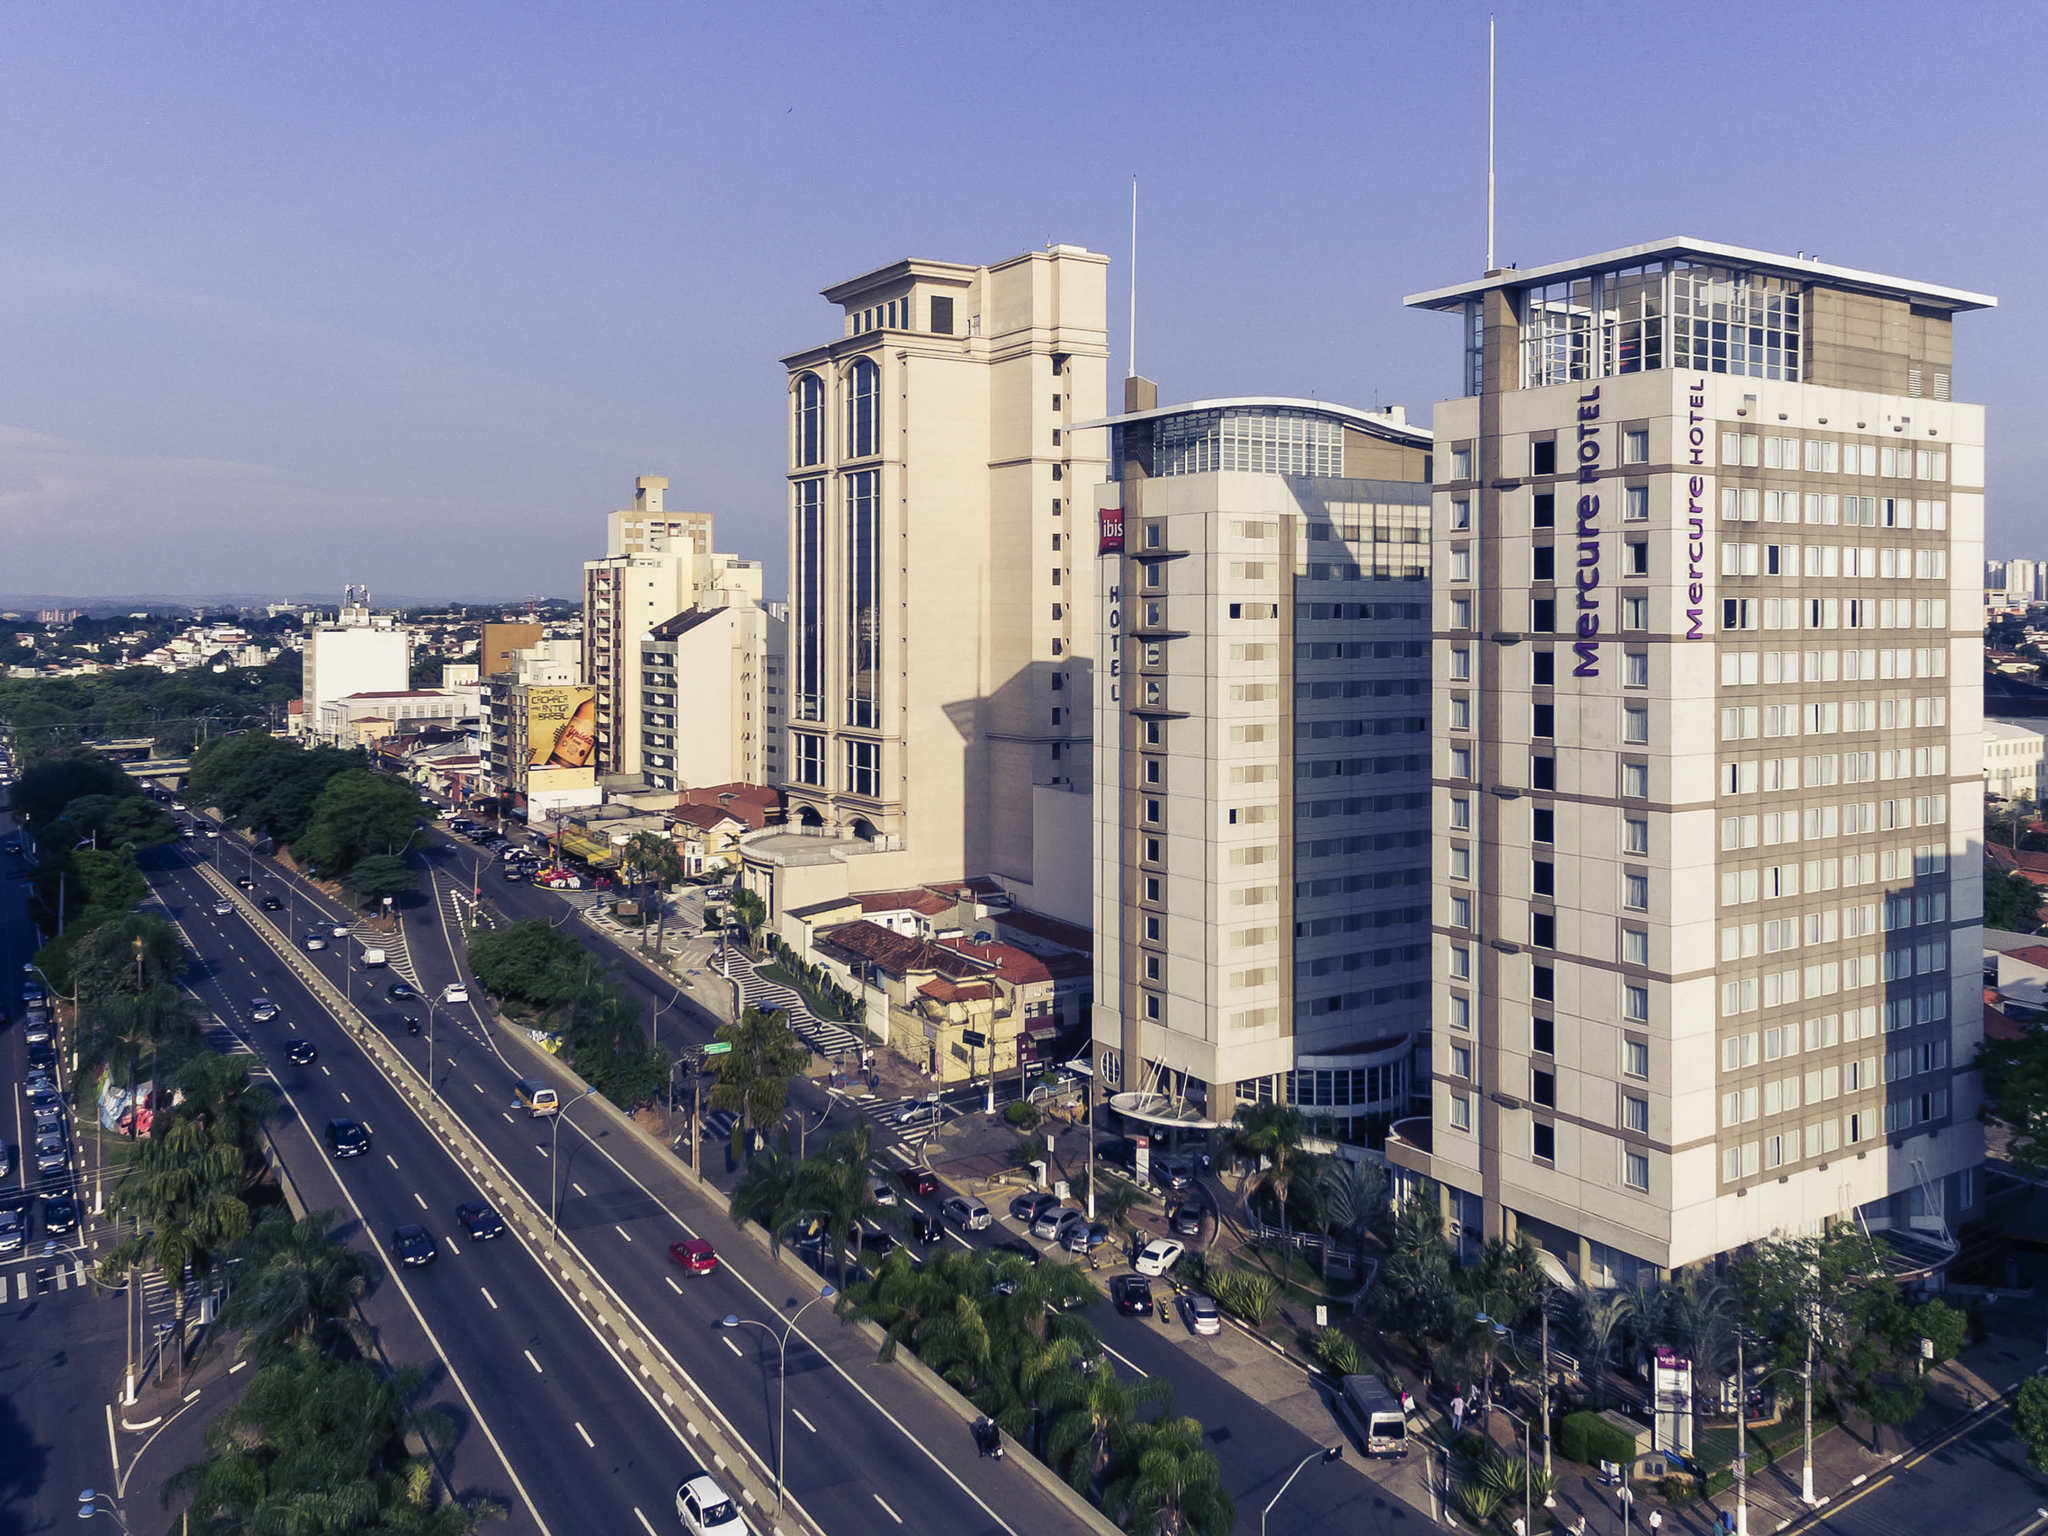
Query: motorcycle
point(988, 1438)
point(412, 1026)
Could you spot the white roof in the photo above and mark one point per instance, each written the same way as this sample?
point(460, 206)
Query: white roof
point(1351, 416)
point(2015, 730)
point(1686, 246)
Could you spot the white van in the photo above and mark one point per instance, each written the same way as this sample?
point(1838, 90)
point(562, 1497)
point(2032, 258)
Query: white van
point(1381, 1422)
point(373, 957)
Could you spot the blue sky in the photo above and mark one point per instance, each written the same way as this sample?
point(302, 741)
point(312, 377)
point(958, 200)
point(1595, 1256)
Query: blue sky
point(296, 295)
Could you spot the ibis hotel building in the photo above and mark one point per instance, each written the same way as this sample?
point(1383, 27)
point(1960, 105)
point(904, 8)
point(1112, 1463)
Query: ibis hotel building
point(1708, 542)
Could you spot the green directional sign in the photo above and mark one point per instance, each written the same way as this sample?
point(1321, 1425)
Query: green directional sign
point(718, 1048)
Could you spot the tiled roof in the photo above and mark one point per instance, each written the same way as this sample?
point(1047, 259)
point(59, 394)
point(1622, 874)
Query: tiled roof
point(897, 953)
point(943, 989)
point(1067, 935)
point(2034, 954)
point(1999, 1025)
point(704, 817)
point(916, 899)
point(1019, 967)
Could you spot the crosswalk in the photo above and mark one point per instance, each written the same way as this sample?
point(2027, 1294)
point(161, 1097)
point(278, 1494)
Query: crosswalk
point(225, 1041)
point(825, 1038)
point(913, 1134)
point(59, 1276)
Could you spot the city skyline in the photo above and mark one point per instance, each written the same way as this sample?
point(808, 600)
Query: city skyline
point(365, 303)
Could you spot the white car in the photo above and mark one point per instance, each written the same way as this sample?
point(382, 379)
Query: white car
point(223, 909)
point(705, 1510)
point(1158, 1256)
point(455, 992)
point(339, 930)
point(315, 941)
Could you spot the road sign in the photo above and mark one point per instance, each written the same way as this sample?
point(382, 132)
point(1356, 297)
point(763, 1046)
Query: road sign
point(718, 1048)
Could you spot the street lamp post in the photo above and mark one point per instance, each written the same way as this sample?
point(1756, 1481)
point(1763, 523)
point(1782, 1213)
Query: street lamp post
point(1327, 1454)
point(1528, 1468)
point(733, 1320)
point(555, 1161)
point(92, 1502)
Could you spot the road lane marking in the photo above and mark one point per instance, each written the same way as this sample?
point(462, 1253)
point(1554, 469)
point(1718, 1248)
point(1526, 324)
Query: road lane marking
point(643, 1521)
point(488, 1297)
point(586, 1436)
point(392, 1161)
point(728, 1343)
point(325, 1073)
point(887, 1510)
point(533, 1362)
point(622, 1232)
point(1129, 1362)
point(579, 1189)
point(807, 1424)
point(671, 1279)
point(479, 1087)
point(422, 1203)
point(345, 1098)
point(508, 1121)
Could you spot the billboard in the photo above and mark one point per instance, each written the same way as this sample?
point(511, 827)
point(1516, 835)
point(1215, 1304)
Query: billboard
point(561, 727)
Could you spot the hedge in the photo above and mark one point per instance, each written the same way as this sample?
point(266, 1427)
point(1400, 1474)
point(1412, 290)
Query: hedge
point(1588, 1439)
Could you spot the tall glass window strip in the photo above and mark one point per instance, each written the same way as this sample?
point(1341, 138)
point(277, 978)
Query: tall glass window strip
point(1726, 321)
point(807, 649)
point(808, 752)
point(864, 769)
point(863, 598)
point(1277, 442)
point(863, 396)
point(1662, 314)
point(810, 421)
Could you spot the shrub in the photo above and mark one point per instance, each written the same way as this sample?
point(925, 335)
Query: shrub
point(1589, 1439)
point(1335, 1352)
point(1021, 1114)
point(1481, 1502)
point(1250, 1297)
point(1029, 1151)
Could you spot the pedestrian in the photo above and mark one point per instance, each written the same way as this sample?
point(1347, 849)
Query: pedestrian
point(1578, 1526)
point(1656, 1520)
point(1457, 1415)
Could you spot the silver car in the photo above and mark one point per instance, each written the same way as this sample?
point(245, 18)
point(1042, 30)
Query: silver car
point(11, 1229)
point(1201, 1315)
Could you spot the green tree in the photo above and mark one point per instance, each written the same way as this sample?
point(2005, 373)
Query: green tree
point(298, 1281)
point(753, 1077)
point(2015, 1075)
point(103, 963)
point(184, 1190)
point(1273, 1133)
point(653, 858)
point(44, 789)
point(1098, 1420)
point(2030, 1420)
point(1172, 1485)
point(529, 964)
point(117, 822)
point(2012, 902)
point(1942, 1326)
point(1357, 1195)
point(380, 875)
point(837, 1187)
point(358, 814)
point(1598, 1321)
point(749, 911)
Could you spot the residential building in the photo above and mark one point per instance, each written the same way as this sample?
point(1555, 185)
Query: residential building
point(539, 733)
point(648, 526)
point(500, 640)
point(1262, 788)
point(939, 644)
point(342, 720)
point(705, 714)
point(2013, 751)
point(2022, 581)
point(360, 652)
point(1708, 531)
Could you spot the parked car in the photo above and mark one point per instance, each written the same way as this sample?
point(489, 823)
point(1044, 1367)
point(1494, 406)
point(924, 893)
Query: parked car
point(1159, 1256)
point(1032, 1204)
point(693, 1256)
point(413, 1245)
point(1200, 1314)
point(12, 1230)
point(479, 1221)
point(1186, 1220)
point(1084, 1236)
point(1048, 1223)
point(1132, 1295)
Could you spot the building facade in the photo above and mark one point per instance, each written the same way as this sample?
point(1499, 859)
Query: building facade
point(648, 525)
point(2013, 752)
point(1262, 787)
point(1708, 530)
point(938, 667)
point(705, 715)
point(360, 652)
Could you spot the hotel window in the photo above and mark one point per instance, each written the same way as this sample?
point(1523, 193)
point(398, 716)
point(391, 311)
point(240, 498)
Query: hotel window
point(1635, 1002)
point(1543, 1141)
point(1635, 892)
point(863, 398)
point(1635, 446)
point(1635, 612)
point(1635, 835)
point(1461, 812)
point(1152, 811)
point(807, 590)
point(1461, 613)
point(1635, 1058)
point(1461, 862)
point(1461, 1061)
point(1152, 930)
point(1461, 1013)
point(1542, 878)
point(1461, 463)
point(1635, 504)
point(1153, 1008)
point(1543, 667)
point(1461, 714)
point(1461, 762)
point(1635, 1166)
point(1461, 911)
point(863, 638)
point(1543, 615)
point(1635, 669)
point(1461, 563)
point(1461, 663)
point(1635, 780)
point(1543, 929)
point(1635, 946)
point(1461, 512)
point(1461, 962)
point(1635, 557)
point(1635, 724)
point(809, 751)
point(1543, 824)
point(1459, 1107)
point(1542, 771)
point(1152, 888)
point(1543, 1036)
point(1155, 577)
point(1155, 770)
point(1543, 456)
point(1543, 563)
point(1153, 535)
point(1635, 1116)
point(1543, 1088)
point(810, 421)
point(864, 768)
point(1543, 510)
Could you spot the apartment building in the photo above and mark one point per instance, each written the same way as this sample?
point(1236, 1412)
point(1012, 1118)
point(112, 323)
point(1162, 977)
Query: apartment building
point(631, 590)
point(1262, 784)
point(1707, 538)
point(939, 631)
point(2013, 754)
point(706, 716)
point(361, 651)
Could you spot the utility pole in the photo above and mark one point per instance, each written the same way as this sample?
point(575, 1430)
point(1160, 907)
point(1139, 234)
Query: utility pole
point(1543, 1391)
point(1741, 1442)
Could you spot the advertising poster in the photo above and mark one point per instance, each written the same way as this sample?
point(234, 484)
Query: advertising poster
point(561, 727)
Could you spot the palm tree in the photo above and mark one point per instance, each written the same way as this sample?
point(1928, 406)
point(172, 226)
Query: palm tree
point(1356, 1195)
point(762, 1194)
point(653, 858)
point(1643, 1302)
point(298, 1282)
point(184, 1190)
point(1699, 1318)
point(753, 1077)
point(837, 1186)
point(1172, 1484)
point(1601, 1317)
point(1082, 1438)
point(1273, 1133)
point(217, 1091)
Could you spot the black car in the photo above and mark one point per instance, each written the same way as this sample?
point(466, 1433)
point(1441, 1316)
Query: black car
point(300, 1053)
point(399, 992)
point(272, 904)
point(479, 1221)
point(1016, 1249)
point(42, 1058)
point(60, 1215)
point(345, 1138)
point(245, 882)
point(1132, 1295)
point(925, 1228)
point(413, 1245)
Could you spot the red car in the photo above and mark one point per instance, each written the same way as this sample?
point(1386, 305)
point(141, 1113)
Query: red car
point(920, 1181)
point(694, 1256)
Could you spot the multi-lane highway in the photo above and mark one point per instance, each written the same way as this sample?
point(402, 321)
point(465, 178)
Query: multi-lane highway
point(580, 1443)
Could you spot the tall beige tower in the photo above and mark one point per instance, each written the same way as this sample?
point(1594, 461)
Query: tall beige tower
point(940, 622)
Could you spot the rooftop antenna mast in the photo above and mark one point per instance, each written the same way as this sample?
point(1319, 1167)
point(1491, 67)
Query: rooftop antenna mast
point(1489, 143)
point(1132, 350)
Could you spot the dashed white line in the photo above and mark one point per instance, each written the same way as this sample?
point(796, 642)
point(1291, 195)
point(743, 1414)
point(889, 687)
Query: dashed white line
point(479, 1087)
point(325, 1073)
point(391, 1160)
point(643, 1521)
point(416, 1197)
point(533, 1362)
point(807, 1424)
point(671, 1279)
point(345, 1098)
point(586, 1436)
point(728, 1343)
point(887, 1510)
point(579, 1189)
point(622, 1232)
point(488, 1297)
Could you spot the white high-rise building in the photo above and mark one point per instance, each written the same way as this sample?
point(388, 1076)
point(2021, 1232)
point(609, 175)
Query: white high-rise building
point(1708, 536)
point(360, 652)
point(1261, 762)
